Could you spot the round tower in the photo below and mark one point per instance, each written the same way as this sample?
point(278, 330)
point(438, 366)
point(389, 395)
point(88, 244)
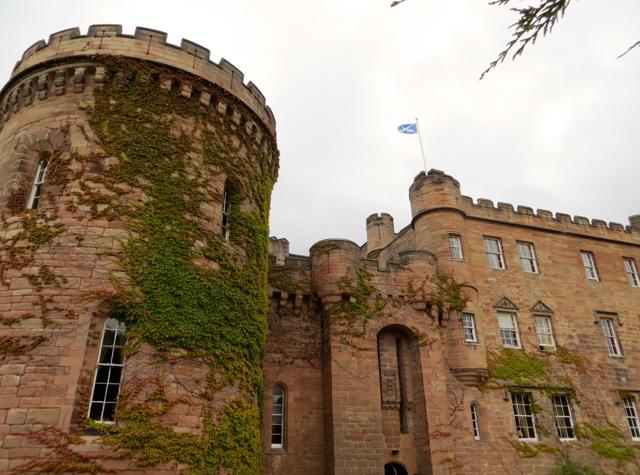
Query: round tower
point(380, 232)
point(440, 227)
point(135, 185)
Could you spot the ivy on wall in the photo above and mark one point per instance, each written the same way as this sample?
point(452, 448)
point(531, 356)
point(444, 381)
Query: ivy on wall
point(158, 163)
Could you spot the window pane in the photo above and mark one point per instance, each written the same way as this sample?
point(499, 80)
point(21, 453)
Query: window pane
point(564, 421)
point(523, 416)
point(104, 396)
point(632, 417)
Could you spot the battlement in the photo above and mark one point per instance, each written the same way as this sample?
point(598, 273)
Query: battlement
point(525, 215)
point(434, 176)
point(147, 44)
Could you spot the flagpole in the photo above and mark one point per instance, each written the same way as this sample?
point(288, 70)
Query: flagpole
point(424, 160)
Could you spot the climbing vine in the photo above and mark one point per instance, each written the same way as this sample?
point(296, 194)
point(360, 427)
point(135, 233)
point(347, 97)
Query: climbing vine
point(159, 165)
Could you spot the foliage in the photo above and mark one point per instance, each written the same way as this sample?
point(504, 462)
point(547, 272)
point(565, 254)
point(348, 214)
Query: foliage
point(571, 467)
point(532, 21)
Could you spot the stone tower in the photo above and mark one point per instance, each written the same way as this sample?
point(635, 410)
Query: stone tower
point(135, 184)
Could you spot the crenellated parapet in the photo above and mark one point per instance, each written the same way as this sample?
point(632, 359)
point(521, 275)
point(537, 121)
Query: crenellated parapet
point(561, 222)
point(436, 192)
point(45, 70)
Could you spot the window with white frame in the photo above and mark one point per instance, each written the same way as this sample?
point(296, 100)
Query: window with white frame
point(469, 328)
point(563, 417)
point(525, 422)
point(509, 330)
point(455, 246)
point(474, 421)
point(277, 418)
point(106, 385)
point(527, 258)
point(613, 345)
point(632, 271)
point(590, 265)
point(544, 330)
point(225, 214)
point(38, 185)
point(632, 417)
point(493, 249)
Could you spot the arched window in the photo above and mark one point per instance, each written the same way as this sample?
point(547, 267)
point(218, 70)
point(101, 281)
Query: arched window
point(277, 418)
point(36, 191)
point(474, 421)
point(106, 385)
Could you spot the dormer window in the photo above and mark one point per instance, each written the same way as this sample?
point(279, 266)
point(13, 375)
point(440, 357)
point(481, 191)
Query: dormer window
point(38, 184)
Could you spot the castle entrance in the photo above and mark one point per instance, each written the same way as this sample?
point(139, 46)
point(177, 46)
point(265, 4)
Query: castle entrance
point(395, 469)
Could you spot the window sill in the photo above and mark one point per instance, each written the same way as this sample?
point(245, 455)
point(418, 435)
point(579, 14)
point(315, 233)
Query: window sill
point(528, 440)
point(277, 451)
point(472, 343)
point(618, 357)
point(457, 259)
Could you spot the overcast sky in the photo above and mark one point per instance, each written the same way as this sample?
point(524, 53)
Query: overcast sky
point(556, 129)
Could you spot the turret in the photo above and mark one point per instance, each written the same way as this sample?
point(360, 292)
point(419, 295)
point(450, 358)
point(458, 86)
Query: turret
point(380, 232)
point(635, 221)
point(134, 174)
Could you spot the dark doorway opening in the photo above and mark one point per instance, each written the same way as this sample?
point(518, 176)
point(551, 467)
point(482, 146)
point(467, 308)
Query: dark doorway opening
point(395, 469)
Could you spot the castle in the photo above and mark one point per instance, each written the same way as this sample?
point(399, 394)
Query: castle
point(149, 324)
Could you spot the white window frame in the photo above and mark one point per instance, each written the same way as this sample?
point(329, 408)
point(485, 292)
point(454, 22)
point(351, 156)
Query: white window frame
point(521, 403)
point(610, 337)
point(503, 317)
point(224, 226)
point(107, 365)
point(493, 250)
point(589, 262)
point(631, 414)
point(38, 184)
point(277, 411)
point(469, 328)
point(563, 417)
point(544, 332)
point(527, 257)
point(455, 246)
point(632, 271)
point(474, 422)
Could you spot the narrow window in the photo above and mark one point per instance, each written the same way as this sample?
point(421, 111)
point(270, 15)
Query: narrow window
point(277, 418)
point(525, 424)
point(613, 345)
point(403, 387)
point(469, 328)
point(474, 420)
point(632, 417)
point(527, 258)
point(109, 372)
point(564, 420)
point(509, 330)
point(590, 266)
point(493, 249)
point(455, 246)
point(544, 332)
point(632, 272)
point(38, 184)
point(225, 214)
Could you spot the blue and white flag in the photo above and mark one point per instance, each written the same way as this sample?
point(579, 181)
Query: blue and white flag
point(408, 129)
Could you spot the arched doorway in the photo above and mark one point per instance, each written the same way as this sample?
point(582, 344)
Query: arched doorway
point(395, 469)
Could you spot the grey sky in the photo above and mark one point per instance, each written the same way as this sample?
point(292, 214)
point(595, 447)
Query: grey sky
point(557, 129)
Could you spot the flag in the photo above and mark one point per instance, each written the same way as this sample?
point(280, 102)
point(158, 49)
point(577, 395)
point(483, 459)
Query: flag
point(408, 129)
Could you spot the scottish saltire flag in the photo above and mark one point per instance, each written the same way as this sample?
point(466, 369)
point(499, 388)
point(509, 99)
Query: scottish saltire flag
point(408, 129)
